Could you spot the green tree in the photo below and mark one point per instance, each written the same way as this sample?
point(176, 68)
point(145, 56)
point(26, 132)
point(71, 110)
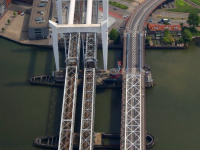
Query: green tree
point(181, 24)
point(165, 40)
point(166, 32)
point(148, 39)
point(180, 40)
point(8, 21)
point(187, 36)
point(2, 29)
point(14, 13)
point(113, 34)
point(171, 39)
point(193, 19)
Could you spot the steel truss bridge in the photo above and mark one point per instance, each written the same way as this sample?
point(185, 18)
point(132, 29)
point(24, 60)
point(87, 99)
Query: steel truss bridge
point(81, 12)
point(72, 43)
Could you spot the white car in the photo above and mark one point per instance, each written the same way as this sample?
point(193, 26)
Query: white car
point(22, 13)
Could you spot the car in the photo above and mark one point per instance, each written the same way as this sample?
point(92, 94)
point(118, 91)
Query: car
point(150, 20)
point(115, 8)
point(19, 12)
point(159, 22)
point(22, 13)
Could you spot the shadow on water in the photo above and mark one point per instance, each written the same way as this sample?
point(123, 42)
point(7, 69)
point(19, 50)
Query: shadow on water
point(54, 113)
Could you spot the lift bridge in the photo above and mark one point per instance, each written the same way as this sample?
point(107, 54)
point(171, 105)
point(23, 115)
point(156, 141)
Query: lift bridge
point(78, 25)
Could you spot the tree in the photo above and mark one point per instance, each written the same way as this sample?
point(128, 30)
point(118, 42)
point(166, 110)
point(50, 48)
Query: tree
point(193, 19)
point(181, 24)
point(165, 40)
point(187, 36)
point(8, 21)
point(14, 13)
point(166, 32)
point(180, 40)
point(114, 35)
point(148, 40)
point(2, 29)
point(171, 39)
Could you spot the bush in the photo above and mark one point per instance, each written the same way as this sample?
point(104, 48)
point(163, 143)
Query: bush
point(118, 5)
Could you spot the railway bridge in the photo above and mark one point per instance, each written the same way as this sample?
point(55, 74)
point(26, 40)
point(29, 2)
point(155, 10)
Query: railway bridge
point(78, 26)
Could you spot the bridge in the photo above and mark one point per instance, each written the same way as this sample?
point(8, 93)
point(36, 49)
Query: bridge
point(78, 26)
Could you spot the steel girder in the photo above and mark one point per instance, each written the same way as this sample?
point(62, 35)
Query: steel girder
point(88, 109)
point(73, 48)
point(68, 109)
point(133, 112)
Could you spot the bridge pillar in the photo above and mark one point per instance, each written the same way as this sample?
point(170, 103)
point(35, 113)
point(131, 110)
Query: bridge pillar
point(55, 46)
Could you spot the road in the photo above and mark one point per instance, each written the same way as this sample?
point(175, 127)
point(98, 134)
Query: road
point(135, 96)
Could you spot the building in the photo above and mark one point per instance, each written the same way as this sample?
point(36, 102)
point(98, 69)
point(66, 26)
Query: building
point(4, 6)
point(38, 24)
point(156, 31)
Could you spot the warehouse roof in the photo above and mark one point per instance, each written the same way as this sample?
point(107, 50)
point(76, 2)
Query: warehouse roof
point(40, 14)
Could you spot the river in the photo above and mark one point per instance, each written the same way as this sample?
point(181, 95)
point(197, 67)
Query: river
point(173, 105)
point(28, 111)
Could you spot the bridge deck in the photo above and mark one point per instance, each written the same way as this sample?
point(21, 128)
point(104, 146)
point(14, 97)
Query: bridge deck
point(68, 109)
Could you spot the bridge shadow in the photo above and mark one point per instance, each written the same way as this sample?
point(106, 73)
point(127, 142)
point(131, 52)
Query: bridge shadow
point(54, 113)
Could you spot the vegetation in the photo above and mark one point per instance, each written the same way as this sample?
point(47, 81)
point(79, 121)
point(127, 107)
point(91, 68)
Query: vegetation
point(148, 40)
point(14, 13)
point(114, 35)
point(181, 24)
point(193, 30)
point(168, 38)
point(181, 6)
point(8, 21)
point(118, 5)
point(193, 19)
point(2, 29)
point(196, 2)
point(187, 36)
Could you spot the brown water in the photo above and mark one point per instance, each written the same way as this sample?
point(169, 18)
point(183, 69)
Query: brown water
point(28, 111)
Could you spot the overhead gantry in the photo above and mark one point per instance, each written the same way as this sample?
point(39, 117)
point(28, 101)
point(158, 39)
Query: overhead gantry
point(81, 24)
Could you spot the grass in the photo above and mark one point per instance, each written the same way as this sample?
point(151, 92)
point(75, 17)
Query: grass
point(181, 6)
point(118, 5)
point(196, 2)
point(172, 18)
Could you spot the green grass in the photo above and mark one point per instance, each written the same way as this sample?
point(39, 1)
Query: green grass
point(181, 6)
point(118, 5)
point(196, 2)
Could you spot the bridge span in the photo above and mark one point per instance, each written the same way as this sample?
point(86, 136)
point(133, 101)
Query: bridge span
point(133, 130)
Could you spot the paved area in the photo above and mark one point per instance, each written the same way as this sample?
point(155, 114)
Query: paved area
point(17, 30)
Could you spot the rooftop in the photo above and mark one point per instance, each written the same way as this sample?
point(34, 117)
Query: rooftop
point(158, 27)
point(40, 14)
